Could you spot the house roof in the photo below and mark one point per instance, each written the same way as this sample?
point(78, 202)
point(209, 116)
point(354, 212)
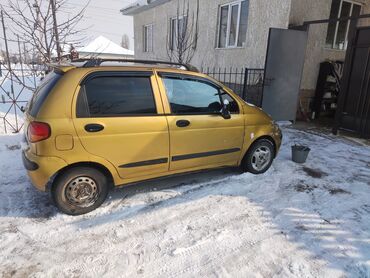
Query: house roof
point(102, 45)
point(142, 5)
point(65, 49)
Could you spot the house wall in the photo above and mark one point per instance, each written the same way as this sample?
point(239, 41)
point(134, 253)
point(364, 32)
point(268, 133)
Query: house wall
point(263, 14)
point(316, 52)
point(365, 10)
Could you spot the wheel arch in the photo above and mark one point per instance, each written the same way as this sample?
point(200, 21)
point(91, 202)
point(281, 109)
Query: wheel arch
point(256, 139)
point(90, 164)
point(269, 138)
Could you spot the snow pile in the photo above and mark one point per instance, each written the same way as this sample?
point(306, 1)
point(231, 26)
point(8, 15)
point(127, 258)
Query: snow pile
point(294, 221)
point(102, 45)
point(138, 3)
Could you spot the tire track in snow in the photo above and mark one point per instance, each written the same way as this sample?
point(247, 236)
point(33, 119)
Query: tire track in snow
point(189, 251)
point(218, 255)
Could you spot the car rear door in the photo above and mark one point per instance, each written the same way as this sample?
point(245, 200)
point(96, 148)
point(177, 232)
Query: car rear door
point(199, 135)
point(119, 117)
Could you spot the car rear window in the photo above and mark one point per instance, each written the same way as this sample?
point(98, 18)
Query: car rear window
point(42, 92)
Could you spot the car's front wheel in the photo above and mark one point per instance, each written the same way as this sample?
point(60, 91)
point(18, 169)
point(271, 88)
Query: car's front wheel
point(259, 157)
point(80, 190)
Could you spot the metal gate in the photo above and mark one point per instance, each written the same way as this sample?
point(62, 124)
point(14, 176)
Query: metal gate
point(354, 104)
point(246, 82)
point(283, 72)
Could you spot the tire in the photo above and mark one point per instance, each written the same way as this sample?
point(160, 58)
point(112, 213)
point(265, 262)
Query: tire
point(261, 148)
point(79, 190)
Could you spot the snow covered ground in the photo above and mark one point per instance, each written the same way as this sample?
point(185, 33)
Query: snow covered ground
point(310, 220)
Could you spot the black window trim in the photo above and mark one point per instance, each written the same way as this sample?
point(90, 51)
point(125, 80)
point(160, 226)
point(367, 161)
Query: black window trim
point(98, 74)
point(115, 74)
point(182, 76)
point(207, 81)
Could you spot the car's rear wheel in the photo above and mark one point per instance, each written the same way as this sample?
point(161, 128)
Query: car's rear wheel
point(259, 157)
point(80, 190)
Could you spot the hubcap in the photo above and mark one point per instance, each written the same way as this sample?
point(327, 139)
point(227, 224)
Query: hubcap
point(82, 191)
point(261, 158)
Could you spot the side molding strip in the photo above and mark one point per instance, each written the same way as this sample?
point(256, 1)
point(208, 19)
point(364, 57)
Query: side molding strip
point(144, 163)
point(205, 154)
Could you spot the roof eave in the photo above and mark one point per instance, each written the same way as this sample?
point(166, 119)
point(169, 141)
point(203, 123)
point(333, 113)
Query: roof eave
point(133, 10)
point(130, 10)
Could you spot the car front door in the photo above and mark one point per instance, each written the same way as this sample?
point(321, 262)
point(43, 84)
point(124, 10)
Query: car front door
point(119, 117)
point(199, 136)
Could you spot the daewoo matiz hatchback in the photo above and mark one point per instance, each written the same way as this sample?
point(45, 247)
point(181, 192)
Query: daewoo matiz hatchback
point(97, 124)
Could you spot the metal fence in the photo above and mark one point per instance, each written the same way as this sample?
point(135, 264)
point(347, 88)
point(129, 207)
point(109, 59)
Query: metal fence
point(16, 87)
point(246, 82)
point(18, 79)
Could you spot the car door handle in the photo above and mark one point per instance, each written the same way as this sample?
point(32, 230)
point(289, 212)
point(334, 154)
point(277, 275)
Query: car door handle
point(94, 127)
point(182, 123)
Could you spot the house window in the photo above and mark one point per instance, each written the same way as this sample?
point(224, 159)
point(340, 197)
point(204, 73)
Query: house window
point(148, 38)
point(178, 26)
point(232, 25)
point(337, 36)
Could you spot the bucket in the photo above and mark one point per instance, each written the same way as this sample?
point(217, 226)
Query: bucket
point(300, 153)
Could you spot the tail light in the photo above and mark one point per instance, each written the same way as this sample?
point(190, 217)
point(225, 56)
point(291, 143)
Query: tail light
point(38, 131)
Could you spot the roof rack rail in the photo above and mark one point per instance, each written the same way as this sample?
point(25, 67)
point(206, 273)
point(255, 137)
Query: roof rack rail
point(98, 61)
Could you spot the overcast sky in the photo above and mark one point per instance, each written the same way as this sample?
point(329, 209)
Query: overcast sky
point(102, 17)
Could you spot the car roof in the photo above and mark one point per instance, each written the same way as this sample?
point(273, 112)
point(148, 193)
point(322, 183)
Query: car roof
point(123, 64)
point(131, 65)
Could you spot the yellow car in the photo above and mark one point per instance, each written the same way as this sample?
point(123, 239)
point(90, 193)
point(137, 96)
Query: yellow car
point(95, 124)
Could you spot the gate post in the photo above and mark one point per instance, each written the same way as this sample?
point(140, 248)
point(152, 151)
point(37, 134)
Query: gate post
point(244, 94)
point(345, 76)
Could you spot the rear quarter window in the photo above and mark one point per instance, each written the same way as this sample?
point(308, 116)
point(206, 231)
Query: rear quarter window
point(42, 92)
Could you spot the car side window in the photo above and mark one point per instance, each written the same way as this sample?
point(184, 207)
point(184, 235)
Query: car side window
point(188, 96)
point(114, 96)
point(193, 96)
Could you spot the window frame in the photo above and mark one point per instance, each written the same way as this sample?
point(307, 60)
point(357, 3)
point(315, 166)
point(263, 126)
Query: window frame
point(174, 36)
point(209, 82)
point(333, 46)
point(91, 76)
point(229, 15)
point(146, 29)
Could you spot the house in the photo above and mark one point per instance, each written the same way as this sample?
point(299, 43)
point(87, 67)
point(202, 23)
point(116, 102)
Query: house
point(101, 47)
point(235, 32)
point(325, 41)
point(153, 21)
point(65, 51)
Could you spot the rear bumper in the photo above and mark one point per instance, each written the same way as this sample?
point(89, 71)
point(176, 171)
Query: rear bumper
point(28, 164)
point(41, 169)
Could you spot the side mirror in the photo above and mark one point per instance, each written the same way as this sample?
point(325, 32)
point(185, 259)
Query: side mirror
point(225, 113)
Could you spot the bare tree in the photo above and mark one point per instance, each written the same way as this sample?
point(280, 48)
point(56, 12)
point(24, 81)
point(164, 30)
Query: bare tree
point(36, 23)
point(182, 38)
point(125, 43)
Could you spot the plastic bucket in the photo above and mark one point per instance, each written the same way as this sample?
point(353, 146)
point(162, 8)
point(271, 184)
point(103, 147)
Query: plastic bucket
point(300, 153)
